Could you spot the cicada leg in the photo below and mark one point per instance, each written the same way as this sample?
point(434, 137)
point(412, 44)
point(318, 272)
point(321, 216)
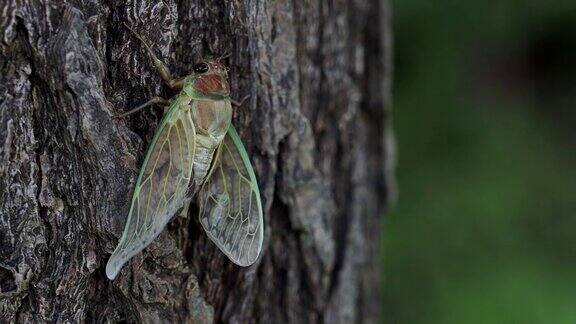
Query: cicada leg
point(154, 101)
point(161, 67)
point(239, 103)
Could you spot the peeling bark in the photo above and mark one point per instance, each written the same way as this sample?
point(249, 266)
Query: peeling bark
point(316, 126)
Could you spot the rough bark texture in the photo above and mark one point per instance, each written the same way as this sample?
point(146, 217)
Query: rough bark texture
point(316, 127)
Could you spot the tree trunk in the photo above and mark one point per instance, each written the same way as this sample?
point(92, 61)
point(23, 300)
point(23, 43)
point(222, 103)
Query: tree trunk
point(316, 126)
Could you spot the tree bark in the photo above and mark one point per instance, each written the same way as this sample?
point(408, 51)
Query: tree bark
point(316, 126)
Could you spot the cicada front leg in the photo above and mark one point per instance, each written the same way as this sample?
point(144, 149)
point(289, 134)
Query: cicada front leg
point(161, 67)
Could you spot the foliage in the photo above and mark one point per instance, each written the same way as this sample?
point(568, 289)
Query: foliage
point(484, 115)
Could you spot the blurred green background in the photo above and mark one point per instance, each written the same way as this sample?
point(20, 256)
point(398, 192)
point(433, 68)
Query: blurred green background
point(485, 117)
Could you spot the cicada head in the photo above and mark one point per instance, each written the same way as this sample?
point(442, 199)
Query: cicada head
point(211, 77)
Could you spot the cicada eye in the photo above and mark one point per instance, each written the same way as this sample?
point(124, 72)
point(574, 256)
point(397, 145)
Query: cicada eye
point(201, 68)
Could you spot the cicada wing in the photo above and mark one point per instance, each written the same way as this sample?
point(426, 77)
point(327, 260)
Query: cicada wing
point(229, 201)
point(161, 187)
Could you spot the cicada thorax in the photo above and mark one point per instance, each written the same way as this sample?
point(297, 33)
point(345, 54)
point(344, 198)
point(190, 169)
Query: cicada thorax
point(210, 92)
point(212, 83)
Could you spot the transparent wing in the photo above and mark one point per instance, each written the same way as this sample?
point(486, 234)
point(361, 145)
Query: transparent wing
point(230, 206)
point(161, 187)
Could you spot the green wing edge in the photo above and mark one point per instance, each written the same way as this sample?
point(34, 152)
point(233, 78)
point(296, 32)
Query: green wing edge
point(112, 268)
point(212, 226)
point(253, 181)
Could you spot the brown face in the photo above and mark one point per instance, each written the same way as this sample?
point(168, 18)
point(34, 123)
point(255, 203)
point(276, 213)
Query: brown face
point(211, 78)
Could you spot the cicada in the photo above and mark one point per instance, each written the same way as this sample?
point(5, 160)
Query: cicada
point(195, 154)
